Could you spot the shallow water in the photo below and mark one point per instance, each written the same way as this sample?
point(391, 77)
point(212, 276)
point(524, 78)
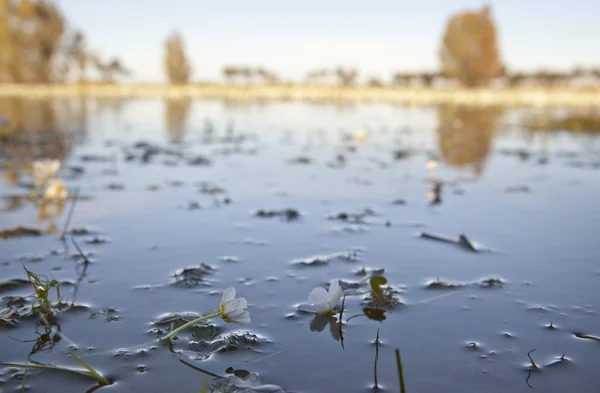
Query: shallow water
point(531, 198)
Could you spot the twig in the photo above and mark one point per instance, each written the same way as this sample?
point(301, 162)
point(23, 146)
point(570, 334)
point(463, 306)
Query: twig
point(530, 359)
point(376, 387)
point(341, 322)
point(400, 373)
point(70, 215)
point(85, 260)
point(200, 370)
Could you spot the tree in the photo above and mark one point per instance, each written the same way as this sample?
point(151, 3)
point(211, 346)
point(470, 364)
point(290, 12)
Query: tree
point(347, 77)
point(31, 32)
point(469, 50)
point(177, 66)
point(374, 82)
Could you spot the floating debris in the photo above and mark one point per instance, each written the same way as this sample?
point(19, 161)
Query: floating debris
point(96, 240)
point(20, 231)
point(192, 276)
point(518, 189)
point(109, 314)
point(463, 241)
point(288, 214)
point(442, 284)
point(243, 383)
point(356, 218)
point(587, 337)
point(301, 160)
point(320, 260)
point(229, 258)
point(491, 283)
point(116, 186)
point(402, 154)
point(199, 161)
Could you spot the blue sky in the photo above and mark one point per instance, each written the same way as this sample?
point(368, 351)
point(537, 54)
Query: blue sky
point(293, 36)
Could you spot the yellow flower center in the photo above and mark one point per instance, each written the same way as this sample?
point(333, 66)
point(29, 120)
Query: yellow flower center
point(223, 315)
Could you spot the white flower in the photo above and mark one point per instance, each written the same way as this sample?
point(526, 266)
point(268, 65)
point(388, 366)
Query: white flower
point(55, 191)
point(232, 309)
point(323, 302)
point(44, 170)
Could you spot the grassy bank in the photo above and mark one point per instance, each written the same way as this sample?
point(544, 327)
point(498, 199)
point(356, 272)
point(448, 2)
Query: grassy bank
point(432, 96)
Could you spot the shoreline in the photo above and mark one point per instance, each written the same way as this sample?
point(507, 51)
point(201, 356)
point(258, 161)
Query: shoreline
point(412, 96)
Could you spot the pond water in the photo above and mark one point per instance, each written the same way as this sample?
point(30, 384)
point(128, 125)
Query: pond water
point(278, 199)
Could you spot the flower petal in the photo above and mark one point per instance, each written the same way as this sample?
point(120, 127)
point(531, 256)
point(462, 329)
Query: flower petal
point(228, 295)
point(235, 305)
point(335, 292)
point(242, 318)
point(309, 308)
point(318, 295)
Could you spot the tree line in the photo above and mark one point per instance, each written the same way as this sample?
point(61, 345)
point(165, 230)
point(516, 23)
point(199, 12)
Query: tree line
point(37, 46)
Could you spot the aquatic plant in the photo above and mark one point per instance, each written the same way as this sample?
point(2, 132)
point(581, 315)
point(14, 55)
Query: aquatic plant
point(231, 310)
point(323, 301)
point(44, 170)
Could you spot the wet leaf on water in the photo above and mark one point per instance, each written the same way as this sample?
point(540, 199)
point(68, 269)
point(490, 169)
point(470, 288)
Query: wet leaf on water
point(244, 340)
point(376, 314)
point(491, 283)
point(176, 317)
point(320, 260)
point(20, 231)
point(376, 283)
point(79, 231)
point(248, 383)
point(442, 284)
point(192, 276)
point(379, 297)
point(13, 284)
point(109, 314)
point(96, 240)
point(204, 333)
point(364, 271)
point(15, 309)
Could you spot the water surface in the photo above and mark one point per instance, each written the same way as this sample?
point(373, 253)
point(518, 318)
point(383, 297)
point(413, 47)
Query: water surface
point(530, 197)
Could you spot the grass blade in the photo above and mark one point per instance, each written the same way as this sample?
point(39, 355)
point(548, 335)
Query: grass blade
point(400, 374)
point(49, 367)
point(101, 380)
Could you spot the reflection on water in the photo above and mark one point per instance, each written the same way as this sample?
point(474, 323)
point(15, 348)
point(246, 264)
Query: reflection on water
point(342, 177)
point(465, 135)
point(176, 114)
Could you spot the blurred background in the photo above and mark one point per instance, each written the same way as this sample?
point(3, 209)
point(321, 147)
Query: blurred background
point(380, 43)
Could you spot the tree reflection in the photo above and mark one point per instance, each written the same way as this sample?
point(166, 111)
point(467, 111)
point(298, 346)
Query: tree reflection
point(465, 135)
point(176, 114)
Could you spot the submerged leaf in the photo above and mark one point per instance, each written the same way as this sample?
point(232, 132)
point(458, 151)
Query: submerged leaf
point(204, 333)
point(204, 349)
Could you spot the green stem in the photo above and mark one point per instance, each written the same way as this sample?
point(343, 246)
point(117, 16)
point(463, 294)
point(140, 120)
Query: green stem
point(187, 325)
